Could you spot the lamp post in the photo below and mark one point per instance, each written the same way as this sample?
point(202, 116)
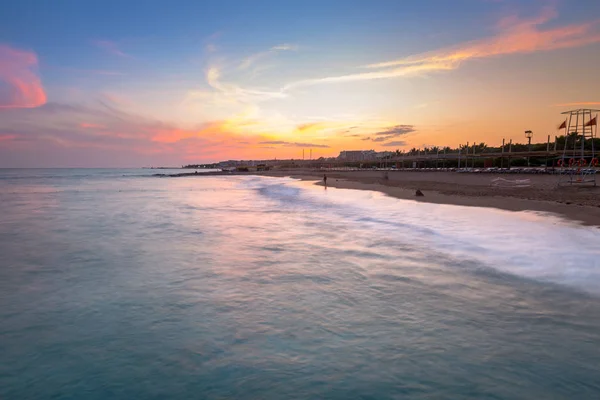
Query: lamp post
point(528, 135)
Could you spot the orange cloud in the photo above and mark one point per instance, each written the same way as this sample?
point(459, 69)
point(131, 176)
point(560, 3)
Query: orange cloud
point(212, 130)
point(514, 36)
point(17, 72)
point(323, 128)
point(313, 127)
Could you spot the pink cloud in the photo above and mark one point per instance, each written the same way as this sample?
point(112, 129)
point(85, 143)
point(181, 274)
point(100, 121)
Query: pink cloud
point(73, 129)
point(17, 73)
point(88, 125)
point(172, 135)
point(512, 35)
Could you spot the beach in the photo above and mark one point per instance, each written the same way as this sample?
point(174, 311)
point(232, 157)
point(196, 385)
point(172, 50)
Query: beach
point(581, 204)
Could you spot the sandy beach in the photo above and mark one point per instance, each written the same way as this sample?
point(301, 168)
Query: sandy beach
point(580, 204)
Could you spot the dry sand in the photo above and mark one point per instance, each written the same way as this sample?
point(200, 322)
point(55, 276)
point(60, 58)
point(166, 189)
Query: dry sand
point(577, 203)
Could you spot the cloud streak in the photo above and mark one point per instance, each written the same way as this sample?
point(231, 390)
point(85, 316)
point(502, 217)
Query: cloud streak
point(22, 86)
point(229, 93)
point(397, 143)
point(513, 36)
point(390, 133)
point(397, 130)
point(251, 60)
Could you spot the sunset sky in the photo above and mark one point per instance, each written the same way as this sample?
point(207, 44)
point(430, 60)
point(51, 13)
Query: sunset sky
point(149, 83)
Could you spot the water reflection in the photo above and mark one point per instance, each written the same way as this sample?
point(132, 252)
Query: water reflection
point(253, 287)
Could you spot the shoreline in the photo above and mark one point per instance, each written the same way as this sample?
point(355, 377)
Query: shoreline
point(577, 204)
point(504, 199)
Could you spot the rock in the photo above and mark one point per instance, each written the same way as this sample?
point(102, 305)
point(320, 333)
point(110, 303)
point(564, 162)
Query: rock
point(419, 193)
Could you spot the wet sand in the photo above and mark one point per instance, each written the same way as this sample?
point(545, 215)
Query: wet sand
point(580, 204)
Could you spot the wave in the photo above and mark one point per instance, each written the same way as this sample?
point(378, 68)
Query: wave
point(526, 244)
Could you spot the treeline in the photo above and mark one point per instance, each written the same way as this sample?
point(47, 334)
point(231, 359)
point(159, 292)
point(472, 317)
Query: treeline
point(481, 148)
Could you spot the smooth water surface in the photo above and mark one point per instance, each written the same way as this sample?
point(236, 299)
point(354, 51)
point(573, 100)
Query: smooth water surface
point(123, 286)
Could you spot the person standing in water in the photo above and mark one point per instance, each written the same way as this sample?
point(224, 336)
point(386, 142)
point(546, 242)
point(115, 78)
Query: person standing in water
point(325, 179)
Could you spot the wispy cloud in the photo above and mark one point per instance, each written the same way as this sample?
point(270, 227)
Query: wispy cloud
point(18, 72)
point(251, 60)
point(379, 139)
point(390, 133)
point(322, 128)
point(111, 48)
point(397, 143)
point(366, 76)
point(513, 36)
point(213, 78)
point(397, 130)
point(229, 93)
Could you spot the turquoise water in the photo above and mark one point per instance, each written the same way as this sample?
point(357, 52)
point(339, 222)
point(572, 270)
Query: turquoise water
point(123, 286)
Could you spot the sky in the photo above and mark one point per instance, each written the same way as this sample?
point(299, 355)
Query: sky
point(157, 83)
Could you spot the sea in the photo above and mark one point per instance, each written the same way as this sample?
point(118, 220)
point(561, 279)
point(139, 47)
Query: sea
point(116, 284)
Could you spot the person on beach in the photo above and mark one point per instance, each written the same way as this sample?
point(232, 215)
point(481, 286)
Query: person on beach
point(325, 179)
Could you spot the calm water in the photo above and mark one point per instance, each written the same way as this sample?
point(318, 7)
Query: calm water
point(123, 286)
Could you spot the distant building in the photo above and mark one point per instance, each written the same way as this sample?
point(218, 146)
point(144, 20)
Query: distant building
point(357, 155)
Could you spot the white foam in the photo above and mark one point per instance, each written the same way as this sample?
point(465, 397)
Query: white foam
point(529, 244)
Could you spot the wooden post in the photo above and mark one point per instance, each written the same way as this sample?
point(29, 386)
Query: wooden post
point(502, 155)
point(444, 161)
point(547, 152)
point(509, 151)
